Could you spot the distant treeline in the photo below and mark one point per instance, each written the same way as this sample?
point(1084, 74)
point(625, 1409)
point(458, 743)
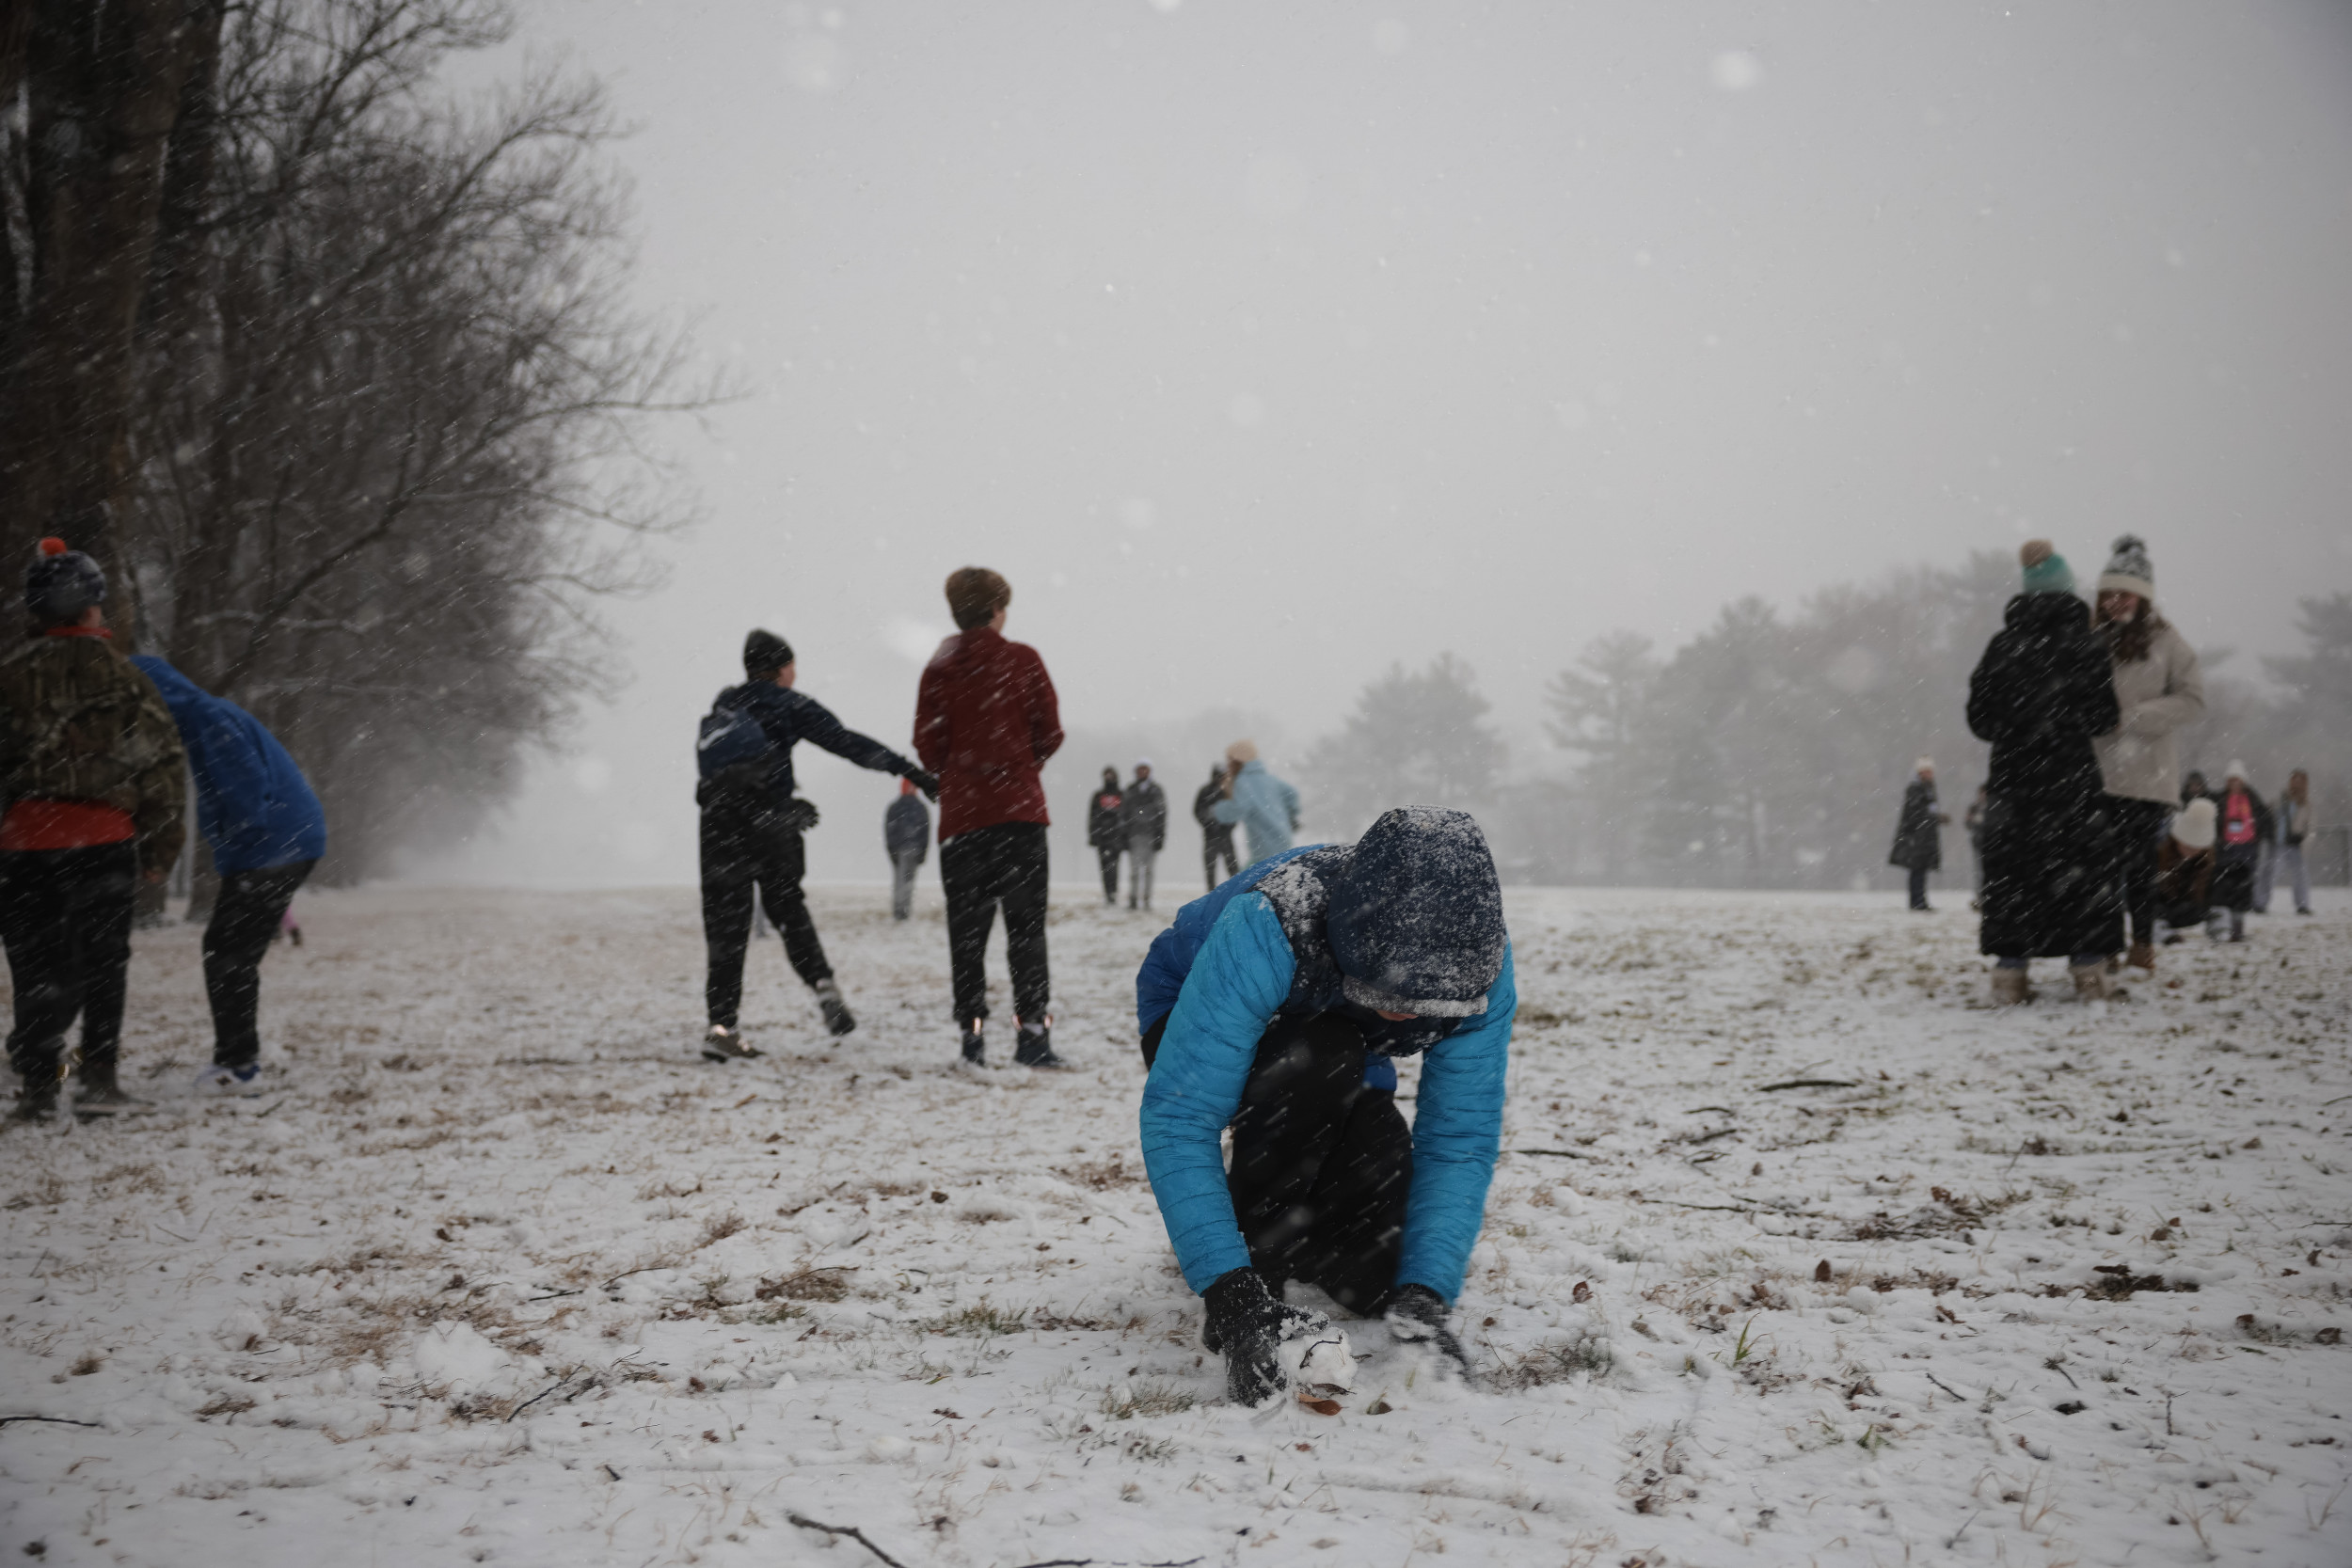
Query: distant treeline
point(1771, 751)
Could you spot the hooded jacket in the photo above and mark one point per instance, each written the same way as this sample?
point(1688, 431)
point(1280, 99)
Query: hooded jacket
point(252, 803)
point(1143, 814)
point(1265, 806)
point(787, 717)
point(1409, 915)
point(907, 828)
point(78, 724)
point(985, 722)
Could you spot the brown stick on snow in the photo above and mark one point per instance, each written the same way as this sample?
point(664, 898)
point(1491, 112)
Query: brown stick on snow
point(851, 1530)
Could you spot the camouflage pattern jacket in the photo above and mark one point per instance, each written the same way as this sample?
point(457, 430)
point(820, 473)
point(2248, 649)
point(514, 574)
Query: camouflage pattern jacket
point(79, 723)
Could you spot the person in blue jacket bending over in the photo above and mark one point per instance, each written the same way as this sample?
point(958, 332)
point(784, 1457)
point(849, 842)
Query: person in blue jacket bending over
point(264, 822)
point(1275, 1006)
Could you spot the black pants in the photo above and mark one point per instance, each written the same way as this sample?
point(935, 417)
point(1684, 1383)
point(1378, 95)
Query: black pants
point(65, 917)
point(1108, 859)
point(1211, 848)
point(1918, 887)
point(741, 851)
point(979, 870)
point(245, 917)
point(2139, 829)
point(1322, 1165)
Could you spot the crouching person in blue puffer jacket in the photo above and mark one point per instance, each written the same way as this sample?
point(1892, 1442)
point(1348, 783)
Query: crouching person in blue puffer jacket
point(1275, 1006)
point(267, 832)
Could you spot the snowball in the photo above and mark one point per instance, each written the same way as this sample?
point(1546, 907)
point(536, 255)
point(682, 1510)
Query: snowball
point(1320, 1360)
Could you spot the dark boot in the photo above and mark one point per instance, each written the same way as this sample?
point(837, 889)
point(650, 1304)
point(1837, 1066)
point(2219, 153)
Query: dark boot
point(975, 1047)
point(837, 1018)
point(1035, 1048)
point(97, 1094)
point(36, 1098)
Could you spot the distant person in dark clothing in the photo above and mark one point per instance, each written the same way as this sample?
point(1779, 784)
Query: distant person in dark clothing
point(1143, 814)
point(907, 836)
point(2241, 824)
point(1217, 838)
point(1107, 831)
point(2041, 690)
point(2193, 787)
point(1918, 831)
point(751, 836)
point(267, 831)
point(1972, 823)
point(986, 719)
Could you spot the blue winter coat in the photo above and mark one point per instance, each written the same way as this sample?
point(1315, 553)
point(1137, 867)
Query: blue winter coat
point(1228, 984)
point(1265, 806)
point(252, 804)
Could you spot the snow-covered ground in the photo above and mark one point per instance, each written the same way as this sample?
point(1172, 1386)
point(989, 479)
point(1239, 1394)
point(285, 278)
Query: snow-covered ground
point(500, 1271)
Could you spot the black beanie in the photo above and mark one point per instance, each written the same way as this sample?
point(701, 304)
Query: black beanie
point(61, 583)
point(764, 654)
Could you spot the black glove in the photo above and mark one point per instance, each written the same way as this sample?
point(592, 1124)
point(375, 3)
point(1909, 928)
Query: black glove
point(1418, 1312)
point(925, 781)
point(1247, 1323)
point(798, 816)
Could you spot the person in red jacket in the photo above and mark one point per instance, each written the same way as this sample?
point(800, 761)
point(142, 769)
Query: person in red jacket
point(985, 722)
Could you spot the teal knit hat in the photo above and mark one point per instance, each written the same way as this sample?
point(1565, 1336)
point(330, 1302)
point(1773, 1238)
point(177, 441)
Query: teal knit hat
point(2047, 571)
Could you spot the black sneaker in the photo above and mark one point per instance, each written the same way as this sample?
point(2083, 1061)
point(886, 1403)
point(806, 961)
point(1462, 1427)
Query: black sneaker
point(1035, 1049)
point(36, 1098)
point(722, 1044)
point(837, 1020)
point(974, 1048)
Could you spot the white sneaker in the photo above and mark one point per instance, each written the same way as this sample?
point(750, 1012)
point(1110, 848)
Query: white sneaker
point(230, 1081)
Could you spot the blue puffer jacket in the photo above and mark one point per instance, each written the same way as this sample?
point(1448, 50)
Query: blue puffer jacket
point(252, 804)
point(1228, 986)
point(1265, 806)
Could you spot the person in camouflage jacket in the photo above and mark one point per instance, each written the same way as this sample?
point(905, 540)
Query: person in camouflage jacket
point(94, 784)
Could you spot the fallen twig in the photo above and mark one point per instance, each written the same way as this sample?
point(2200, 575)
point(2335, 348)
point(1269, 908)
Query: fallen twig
point(1555, 1153)
point(1812, 1083)
point(57, 1421)
point(851, 1530)
point(1956, 1394)
point(549, 1296)
point(540, 1395)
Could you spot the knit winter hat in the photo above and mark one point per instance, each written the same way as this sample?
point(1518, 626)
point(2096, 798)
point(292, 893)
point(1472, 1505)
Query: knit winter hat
point(2237, 772)
point(1925, 765)
point(61, 583)
point(1416, 925)
point(764, 654)
point(2128, 571)
point(2193, 824)
point(2047, 571)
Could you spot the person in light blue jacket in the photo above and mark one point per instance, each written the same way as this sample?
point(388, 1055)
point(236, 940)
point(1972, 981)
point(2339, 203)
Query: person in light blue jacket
point(1257, 800)
point(1275, 1006)
point(267, 830)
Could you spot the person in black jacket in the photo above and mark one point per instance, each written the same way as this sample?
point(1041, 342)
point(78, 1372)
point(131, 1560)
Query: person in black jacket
point(907, 837)
point(1217, 838)
point(1106, 830)
point(1144, 810)
point(2243, 825)
point(2041, 690)
point(1918, 831)
point(750, 837)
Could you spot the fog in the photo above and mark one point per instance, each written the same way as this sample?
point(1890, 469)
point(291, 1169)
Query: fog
point(1263, 347)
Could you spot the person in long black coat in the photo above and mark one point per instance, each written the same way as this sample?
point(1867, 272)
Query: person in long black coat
point(2042, 689)
point(1919, 832)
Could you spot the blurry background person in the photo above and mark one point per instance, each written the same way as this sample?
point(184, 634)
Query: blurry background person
point(1972, 823)
point(2292, 822)
point(986, 719)
point(2041, 690)
point(90, 769)
point(2183, 889)
point(2158, 688)
point(2193, 787)
point(267, 831)
point(1257, 801)
point(907, 837)
point(2241, 822)
point(1144, 815)
point(1217, 838)
point(1919, 831)
point(1107, 831)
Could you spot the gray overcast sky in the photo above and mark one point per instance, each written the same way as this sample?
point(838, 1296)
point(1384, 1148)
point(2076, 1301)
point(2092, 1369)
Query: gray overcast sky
point(1262, 345)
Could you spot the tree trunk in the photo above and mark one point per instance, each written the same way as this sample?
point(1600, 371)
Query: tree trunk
point(104, 87)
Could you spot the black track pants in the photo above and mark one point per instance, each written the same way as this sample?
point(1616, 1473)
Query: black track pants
point(1108, 860)
point(1322, 1165)
point(740, 852)
point(1210, 850)
point(245, 917)
point(1004, 865)
point(2140, 827)
point(65, 917)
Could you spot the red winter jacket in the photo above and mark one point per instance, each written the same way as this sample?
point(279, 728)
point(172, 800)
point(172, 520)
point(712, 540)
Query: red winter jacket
point(985, 720)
